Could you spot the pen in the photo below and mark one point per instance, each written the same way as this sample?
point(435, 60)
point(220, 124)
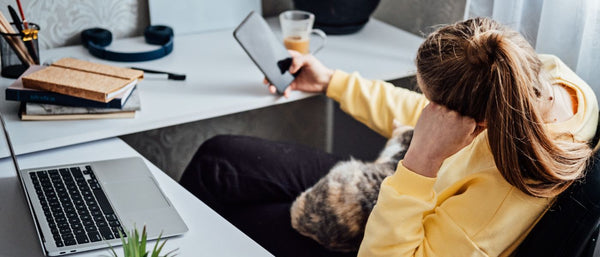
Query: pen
point(19, 25)
point(15, 18)
point(172, 76)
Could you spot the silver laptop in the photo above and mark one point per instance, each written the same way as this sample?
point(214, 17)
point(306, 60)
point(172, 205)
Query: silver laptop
point(84, 206)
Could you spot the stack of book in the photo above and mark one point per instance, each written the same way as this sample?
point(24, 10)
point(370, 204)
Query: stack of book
point(75, 89)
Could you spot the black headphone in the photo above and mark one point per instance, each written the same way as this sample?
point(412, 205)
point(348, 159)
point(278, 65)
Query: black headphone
point(95, 39)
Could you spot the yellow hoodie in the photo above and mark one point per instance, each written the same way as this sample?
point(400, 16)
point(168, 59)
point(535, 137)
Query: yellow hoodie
point(469, 209)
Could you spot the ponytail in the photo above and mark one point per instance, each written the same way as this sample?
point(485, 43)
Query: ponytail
point(490, 73)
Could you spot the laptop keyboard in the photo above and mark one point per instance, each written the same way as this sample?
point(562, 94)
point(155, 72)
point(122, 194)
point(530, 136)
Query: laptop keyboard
point(75, 206)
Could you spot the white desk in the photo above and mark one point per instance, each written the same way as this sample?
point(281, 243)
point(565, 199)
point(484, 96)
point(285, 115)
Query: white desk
point(221, 80)
point(209, 234)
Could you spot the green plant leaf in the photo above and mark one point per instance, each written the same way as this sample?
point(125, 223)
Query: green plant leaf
point(143, 243)
point(114, 254)
point(172, 252)
point(135, 245)
point(159, 248)
point(154, 252)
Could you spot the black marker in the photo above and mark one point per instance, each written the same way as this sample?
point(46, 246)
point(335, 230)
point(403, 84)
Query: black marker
point(172, 76)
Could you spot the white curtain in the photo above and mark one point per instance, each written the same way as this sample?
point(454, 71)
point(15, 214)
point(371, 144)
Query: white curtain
point(567, 29)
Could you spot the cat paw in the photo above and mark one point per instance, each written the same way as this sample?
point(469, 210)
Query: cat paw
point(396, 123)
point(401, 129)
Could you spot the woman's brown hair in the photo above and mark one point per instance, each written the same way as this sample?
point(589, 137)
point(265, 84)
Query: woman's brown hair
point(486, 71)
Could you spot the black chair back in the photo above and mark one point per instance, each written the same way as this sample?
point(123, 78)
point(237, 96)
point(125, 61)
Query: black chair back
point(570, 226)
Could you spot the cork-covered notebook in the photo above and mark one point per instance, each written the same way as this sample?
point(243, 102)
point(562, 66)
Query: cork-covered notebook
point(93, 81)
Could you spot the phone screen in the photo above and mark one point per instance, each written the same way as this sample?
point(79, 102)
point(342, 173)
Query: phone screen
point(266, 51)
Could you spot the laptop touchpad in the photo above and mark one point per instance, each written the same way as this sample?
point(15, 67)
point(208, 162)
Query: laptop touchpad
point(135, 195)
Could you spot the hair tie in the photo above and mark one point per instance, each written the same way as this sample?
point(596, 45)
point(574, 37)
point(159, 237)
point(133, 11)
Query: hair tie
point(482, 48)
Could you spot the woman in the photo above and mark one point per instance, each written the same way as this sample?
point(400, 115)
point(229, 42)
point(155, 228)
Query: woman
point(499, 132)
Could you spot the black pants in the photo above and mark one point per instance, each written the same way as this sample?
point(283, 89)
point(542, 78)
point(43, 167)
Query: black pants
point(252, 183)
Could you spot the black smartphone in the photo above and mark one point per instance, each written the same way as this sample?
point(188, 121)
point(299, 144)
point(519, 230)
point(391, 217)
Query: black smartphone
point(266, 51)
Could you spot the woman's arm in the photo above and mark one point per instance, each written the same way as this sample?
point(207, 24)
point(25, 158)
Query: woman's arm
point(405, 222)
point(373, 102)
point(401, 222)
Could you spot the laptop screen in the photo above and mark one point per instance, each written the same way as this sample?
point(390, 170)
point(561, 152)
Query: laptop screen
point(6, 148)
point(18, 233)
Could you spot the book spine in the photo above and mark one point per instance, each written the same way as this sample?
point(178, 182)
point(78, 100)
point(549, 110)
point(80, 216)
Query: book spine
point(112, 115)
point(58, 99)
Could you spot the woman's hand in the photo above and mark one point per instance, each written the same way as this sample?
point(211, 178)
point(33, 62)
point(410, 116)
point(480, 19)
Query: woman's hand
point(439, 134)
point(313, 77)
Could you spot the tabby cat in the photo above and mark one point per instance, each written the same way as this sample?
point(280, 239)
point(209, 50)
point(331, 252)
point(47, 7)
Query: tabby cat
point(335, 210)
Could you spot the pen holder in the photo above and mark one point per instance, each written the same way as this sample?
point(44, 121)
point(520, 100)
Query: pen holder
point(18, 51)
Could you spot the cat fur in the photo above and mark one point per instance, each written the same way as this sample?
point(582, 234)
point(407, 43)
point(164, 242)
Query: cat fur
point(334, 211)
